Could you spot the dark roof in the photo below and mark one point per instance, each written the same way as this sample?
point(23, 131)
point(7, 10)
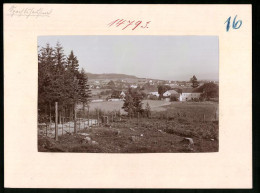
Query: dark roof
point(189, 90)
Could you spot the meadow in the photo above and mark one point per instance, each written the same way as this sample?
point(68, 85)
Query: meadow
point(165, 131)
point(108, 106)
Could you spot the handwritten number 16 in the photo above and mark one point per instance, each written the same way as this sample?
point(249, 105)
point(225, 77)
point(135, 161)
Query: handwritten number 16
point(236, 24)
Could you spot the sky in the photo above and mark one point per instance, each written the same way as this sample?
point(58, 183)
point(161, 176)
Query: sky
point(157, 57)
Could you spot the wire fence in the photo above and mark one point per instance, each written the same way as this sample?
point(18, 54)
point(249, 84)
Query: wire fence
point(66, 124)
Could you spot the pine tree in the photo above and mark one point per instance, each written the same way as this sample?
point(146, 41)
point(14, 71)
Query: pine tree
point(128, 105)
point(132, 102)
point(59, 80)
point(58, 74)
point(84, 91)
point(73, 64)
point(148, 110)
point(73, 74)
point(45, 76)
point(194, 82)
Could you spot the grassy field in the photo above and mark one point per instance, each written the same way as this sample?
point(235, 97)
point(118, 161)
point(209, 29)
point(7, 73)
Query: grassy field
point(191, 111)
point(127, 136)
point(98, 91)
point(107, 106)
point(188, 110)
point(165, 131)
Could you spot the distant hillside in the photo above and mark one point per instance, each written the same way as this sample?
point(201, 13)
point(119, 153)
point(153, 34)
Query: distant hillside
point(110, 76)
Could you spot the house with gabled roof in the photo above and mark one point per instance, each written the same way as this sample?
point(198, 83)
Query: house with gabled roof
point(189, 94)
point(169, 93)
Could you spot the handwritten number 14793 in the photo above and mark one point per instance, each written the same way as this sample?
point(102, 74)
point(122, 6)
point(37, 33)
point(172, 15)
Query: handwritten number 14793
point(235, 24)
point(123, 24)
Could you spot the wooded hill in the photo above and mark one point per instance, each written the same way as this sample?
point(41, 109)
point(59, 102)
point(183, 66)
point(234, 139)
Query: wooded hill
point(109, 76)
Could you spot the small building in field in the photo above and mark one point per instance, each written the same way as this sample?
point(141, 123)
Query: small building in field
point(122, 94)
point(133, 86)
point(189, 95)
point(114, 99)
point(154, 94)
point(97, 100)
point(118, 94)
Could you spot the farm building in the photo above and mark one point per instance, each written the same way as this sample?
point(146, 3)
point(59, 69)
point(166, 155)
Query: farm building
point(170, 92)
point(122, 94)
point(189, 94)
point(117, 94)
point(133, 86)
point(154, 94)
point(114, 99)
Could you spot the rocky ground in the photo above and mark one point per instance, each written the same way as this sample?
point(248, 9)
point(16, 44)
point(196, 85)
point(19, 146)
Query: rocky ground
point(143, 136)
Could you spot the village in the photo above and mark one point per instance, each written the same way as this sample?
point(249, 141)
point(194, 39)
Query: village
point(115, 90)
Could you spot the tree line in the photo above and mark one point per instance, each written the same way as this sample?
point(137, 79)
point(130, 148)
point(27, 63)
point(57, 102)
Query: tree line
point(208, 90)
point(60, 80)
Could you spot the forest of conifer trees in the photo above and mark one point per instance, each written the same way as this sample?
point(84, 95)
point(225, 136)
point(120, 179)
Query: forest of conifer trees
point(60, 80)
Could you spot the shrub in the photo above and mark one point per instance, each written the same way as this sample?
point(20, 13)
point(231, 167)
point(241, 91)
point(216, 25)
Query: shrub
point(196, 100)
point(153, 97)
point(173, 98)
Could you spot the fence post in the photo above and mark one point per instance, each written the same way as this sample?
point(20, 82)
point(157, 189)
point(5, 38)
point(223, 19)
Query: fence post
point(88, 115)
point(62, 124)
point(56, 121)
point(50, 112)
point(203, 117)
point(98, 118)
point(69, 124)
point(75, 119)
point(79, 123)
point(60, 118)
point(138, 119)
point(46, 130)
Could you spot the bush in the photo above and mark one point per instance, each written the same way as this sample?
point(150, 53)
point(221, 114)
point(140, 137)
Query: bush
point(153, 97)
point(213, 99)
point(173, 98)
point(196, 100)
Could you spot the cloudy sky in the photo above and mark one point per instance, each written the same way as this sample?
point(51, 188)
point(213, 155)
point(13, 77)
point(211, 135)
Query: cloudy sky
point(158, 57)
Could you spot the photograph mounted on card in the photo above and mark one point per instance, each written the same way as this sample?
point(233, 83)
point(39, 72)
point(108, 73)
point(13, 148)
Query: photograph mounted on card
point(114, 96)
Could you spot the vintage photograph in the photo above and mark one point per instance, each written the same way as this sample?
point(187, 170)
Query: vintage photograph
point(128, 94)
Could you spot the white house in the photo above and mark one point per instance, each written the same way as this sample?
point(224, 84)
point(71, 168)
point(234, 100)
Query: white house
point(186, 96)
point(97, 100)
point(133, 86)
point(113, 100)
point(170, 92)
point(154, 93)
point(122, 94)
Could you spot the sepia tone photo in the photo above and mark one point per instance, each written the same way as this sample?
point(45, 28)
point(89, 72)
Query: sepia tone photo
point(128, 94)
